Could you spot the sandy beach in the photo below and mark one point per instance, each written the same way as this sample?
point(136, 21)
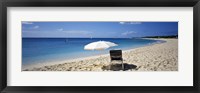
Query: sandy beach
point(156, 57)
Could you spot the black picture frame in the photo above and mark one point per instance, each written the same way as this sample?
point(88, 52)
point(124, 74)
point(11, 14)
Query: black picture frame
point(100, 3)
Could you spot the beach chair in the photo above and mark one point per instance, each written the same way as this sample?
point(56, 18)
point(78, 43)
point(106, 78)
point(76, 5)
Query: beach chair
point(116, 55)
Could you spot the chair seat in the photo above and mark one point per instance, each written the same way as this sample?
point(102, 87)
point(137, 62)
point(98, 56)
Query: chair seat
point(116, 59)
point(116, 55)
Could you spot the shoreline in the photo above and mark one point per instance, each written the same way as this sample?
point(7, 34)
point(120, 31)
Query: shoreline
point(97, 60)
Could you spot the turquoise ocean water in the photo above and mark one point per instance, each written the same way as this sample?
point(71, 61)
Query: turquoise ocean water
point(38, 50)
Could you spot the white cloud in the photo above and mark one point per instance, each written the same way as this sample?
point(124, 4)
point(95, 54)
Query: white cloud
point(122, 23)
point(35, 27)
point(130, 23)
point(128, 33)
point(78, 32)
point(135, 22)
point(32, 28)
point(27, 23)
point(60, 29)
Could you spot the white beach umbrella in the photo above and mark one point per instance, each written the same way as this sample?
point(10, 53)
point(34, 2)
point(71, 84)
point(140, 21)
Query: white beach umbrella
point(99, 45)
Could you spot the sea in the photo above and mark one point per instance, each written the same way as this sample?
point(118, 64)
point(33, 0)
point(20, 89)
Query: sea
point(44, 50)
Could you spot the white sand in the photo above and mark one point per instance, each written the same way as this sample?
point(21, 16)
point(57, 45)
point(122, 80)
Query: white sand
point(157, 57)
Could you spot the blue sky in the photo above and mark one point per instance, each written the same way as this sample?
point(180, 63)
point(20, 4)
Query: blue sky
point(98, 29)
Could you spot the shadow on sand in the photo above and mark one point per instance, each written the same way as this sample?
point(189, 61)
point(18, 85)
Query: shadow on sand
point(117, 67)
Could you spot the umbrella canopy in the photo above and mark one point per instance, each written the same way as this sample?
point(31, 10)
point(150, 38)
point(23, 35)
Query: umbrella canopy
point(99, 45)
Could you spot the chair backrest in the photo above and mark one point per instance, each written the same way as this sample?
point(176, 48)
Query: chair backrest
point(116, 54)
